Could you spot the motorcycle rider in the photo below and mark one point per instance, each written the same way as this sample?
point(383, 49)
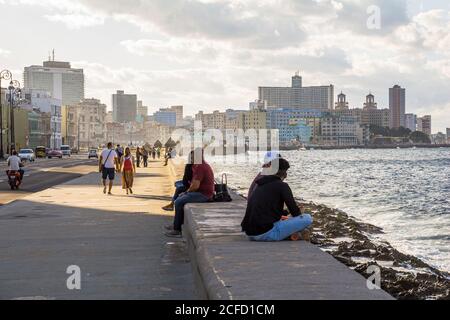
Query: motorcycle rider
point(15, 164)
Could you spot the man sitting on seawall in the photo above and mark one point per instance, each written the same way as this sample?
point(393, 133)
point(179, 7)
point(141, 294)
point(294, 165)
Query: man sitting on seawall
point(200, 190)
point(264, 214)
point(182, 185)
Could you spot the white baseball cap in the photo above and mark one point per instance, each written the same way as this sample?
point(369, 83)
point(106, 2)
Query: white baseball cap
point(270, 156)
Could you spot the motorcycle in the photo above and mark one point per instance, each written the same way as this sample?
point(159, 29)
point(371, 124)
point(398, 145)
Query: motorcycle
point(13, 179)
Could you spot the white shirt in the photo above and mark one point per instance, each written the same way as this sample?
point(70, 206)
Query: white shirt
point(14, 163)
point(108, 163)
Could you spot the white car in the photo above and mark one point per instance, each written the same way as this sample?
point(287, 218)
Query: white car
point(27, 154)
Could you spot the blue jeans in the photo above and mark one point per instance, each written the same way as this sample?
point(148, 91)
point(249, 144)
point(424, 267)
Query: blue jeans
point(191, 197)
point(179, 188)
point(283, 229)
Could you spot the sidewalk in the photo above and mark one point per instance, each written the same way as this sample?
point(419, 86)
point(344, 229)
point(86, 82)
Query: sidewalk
point(117, 241)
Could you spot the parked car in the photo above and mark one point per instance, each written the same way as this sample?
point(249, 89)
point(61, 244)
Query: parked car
point(65, 149)
point(93, 154)
point(27, 154)
point(41, 152)
point(55, 154)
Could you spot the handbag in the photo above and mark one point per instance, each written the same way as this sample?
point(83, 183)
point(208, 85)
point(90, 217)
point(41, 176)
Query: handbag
point(221, 191)
point(103, 164)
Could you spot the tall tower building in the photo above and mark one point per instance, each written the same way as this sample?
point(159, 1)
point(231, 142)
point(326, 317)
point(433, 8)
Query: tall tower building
point(397, 105)
point(58, 78)
point(342, 103)
point(124, 107)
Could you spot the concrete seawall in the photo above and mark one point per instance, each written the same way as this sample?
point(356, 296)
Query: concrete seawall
point(227, 266)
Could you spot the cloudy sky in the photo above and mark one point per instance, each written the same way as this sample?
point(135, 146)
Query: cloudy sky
point(213, 54)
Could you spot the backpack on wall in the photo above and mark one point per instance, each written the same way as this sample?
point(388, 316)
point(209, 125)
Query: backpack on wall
point(221, 191)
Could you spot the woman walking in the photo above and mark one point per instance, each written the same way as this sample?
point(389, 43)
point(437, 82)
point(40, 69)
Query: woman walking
point(128, 168)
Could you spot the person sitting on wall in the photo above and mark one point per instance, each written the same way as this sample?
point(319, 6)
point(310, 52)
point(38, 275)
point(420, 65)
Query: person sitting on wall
point(264, 214)
point(200, 190)
point(266, 170)
point(182, 185)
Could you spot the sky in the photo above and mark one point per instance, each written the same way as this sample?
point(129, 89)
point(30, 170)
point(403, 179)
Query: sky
point(213, 54)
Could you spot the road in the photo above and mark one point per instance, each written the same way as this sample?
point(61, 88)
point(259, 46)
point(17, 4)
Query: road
point(43, 174)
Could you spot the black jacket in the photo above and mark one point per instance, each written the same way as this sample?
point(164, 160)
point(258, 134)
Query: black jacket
point(265, 206)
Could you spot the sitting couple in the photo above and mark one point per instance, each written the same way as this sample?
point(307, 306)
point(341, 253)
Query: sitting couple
point(197, 186)
point(264, 218)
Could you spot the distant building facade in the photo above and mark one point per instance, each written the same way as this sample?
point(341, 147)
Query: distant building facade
point(297, 96)
point(411, 121)
point(397, 106)
point(124, 107)
point(424, 124)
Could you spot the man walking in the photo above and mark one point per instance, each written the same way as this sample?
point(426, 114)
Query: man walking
point(108, 164)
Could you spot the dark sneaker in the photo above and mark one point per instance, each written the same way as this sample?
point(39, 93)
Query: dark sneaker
point(169, 207)
point(173, 234)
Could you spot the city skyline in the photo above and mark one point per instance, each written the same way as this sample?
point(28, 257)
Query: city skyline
point(221, 63)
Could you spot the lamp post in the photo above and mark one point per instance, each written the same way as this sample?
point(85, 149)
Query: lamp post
point(14, 89)
point(6, 75)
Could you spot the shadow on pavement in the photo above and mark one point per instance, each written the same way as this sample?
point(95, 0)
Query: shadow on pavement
point(122, 255)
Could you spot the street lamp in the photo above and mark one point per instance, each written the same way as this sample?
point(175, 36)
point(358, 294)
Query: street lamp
point(14, 90)
point(6, 75)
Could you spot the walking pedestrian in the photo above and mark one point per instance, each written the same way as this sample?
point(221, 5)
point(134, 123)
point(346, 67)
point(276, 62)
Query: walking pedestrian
point(145, 157)
point(108, 163)
point(153, 153)
point(138, 157)
point(158, 153)
point(128, 169)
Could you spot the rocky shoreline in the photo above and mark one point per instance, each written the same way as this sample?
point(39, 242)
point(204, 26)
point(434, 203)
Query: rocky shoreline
point(354, 244)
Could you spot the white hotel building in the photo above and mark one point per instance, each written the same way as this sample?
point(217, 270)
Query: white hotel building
point(58, 78)
point(297, 96)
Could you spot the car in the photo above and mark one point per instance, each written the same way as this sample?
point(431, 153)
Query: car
point(65, 149)
point(93, 154)
point(55, 154)
point(27, 154)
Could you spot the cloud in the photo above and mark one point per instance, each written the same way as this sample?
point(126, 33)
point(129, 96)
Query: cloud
point(4, 53)
point(214, 54)
point(77, 21)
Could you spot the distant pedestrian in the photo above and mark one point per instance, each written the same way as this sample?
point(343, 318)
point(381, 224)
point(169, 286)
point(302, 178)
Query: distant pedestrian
point(119, 151)
point(158, 153)
point(145, 157)
point(108, 164)
point(138, 157)
point(154, 153)
point(128, 169)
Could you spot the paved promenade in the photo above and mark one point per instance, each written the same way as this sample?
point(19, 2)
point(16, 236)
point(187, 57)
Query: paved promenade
point(117, 241)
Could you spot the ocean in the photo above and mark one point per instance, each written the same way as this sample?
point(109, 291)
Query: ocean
point(404, 191)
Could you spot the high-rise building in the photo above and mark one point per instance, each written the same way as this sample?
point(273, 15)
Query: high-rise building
point(179, 114)
point(397, 105)
point(297, 96)
point(424, 124)
point(342, 103)
point(57, 77)
point(411, 121)
point(124, 107)
point(448, 135)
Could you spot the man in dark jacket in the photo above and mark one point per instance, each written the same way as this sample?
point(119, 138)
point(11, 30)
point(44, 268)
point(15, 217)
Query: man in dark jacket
point(262, 221)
